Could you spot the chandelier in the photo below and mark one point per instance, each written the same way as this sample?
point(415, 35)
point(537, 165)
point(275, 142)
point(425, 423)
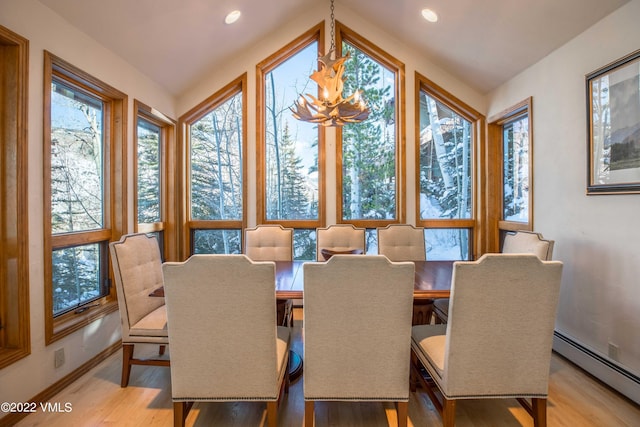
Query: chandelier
point(330, 109)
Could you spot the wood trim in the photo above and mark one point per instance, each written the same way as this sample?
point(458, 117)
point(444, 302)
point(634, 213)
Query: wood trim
point(478, 163)
point(186, 224)
point(168, 176)
point(343, 33)
point(15, 339)
point(115, 191)
point(50, 392)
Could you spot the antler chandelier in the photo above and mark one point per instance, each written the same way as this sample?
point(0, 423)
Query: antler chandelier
point(331, 109)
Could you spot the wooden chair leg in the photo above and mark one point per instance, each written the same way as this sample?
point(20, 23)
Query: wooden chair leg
point(162, 350)
point(127, 355)
point(402, 409)
point(272, 413)
point(308, 413)
point(539, 406)
point(179, 414)
point(448, 413)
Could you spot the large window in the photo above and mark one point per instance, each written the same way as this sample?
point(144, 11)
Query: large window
point(14, 242)
point(290, 177)
point(446, 137)
point(371, 153)
point(155, 201)
point(215, 135)
point(84, 146)
point(511, 146)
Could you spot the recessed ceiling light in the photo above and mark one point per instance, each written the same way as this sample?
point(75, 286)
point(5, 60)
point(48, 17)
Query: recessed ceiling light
point(429, 15)
point(232, 17)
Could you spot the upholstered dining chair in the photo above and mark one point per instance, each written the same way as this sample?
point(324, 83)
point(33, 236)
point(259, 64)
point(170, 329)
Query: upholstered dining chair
point(507, 358)
point(271, 242)
point(220, 353)
point(515, 242)
point(137, 270)
point(402, 242)
point(357, 327)
point(339, 238)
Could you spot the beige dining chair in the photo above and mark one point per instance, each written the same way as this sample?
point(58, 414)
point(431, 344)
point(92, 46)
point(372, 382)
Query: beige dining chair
point(137, 270)
point(271, 242)
point(508, 358)
point(339, 238)
point(357, 327)
point(525, 242)
point(218, 352)
point(402, 242)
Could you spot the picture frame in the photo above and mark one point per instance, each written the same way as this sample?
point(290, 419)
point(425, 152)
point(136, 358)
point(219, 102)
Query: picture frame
point(613, 127)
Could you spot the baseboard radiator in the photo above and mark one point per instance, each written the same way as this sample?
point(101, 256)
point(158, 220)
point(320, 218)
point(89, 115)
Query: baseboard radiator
point(600, 367)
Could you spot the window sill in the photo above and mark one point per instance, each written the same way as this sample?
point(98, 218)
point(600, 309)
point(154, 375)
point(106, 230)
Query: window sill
point(72, 322)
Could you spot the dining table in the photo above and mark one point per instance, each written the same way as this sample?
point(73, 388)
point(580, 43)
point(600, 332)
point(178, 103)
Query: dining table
point(432, 280)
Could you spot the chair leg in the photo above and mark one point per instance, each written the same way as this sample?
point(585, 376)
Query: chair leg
point(308, 413)
point(162, 350)
point(448, 413)
point(539, 406)
point(179, 414)
point(127, 355)
point(272, 413)
point(402, 409)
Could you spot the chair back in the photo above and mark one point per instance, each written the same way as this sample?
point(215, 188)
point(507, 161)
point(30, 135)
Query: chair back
point(528, 242)
point(500, 326)
point(402, 242)
point(137, 269)
point(222, 328)
point(339, 237)
point(269, 243)
point(357, 328)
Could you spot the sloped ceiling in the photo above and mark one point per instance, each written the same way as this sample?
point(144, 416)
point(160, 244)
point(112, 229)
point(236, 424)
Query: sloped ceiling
point(482, 42)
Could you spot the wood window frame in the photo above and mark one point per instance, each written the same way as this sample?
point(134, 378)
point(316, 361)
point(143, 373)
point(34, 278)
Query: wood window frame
point(168, 175)
point(239, 85)
point(15, 341)
point(315, 34)
point(114, 181)
point(343, 33)
point(478, 163)
point(497, 224)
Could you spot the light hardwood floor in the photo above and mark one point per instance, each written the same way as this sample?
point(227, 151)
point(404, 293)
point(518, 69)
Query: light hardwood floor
point(575, 400)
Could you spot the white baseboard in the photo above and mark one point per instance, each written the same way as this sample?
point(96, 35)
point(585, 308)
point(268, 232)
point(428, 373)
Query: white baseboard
point(600, 367)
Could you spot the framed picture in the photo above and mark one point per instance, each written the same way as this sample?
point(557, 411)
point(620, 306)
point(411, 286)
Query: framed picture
point(613, 127)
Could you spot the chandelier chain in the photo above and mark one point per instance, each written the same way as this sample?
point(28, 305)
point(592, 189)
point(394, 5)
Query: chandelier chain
point(333, 34)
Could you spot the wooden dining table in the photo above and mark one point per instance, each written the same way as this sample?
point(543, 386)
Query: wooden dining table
point(432, 280)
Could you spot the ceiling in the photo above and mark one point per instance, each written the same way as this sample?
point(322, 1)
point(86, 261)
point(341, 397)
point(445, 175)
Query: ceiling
point(483, 43)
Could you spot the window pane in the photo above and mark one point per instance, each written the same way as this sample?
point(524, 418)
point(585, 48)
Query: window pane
point(369, 147)
point(148, 172)
point(216, 242)
point(447, 244)
point(216, 163)
point(371, 241)
point(76, 160)
point(291, 146)
point(515, 136)
point(304, 244)
point(76, 276)
point(445, 161)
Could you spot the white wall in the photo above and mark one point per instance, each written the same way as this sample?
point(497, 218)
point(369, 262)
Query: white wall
point(596, 236)
point(46, 30)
